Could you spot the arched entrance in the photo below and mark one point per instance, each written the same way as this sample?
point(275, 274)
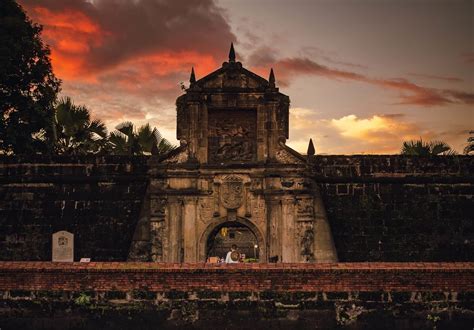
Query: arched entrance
point(218, 238)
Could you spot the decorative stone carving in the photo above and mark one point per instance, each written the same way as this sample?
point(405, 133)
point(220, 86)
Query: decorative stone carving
point(232, 135)
point(285, 157)
point(307, 243)
point(305, 208)
point(232, 195)
point(205, 209)
point(179, 158)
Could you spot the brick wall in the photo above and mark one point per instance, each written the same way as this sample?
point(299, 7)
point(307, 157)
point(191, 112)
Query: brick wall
point(101, 296)
point(96, 198)
point(157, 277)
point(399, 208)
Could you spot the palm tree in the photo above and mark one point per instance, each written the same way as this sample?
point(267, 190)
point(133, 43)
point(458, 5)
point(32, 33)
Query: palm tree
point(431, 148)
point(74, 132)
point(125, 140)
point(469, 149)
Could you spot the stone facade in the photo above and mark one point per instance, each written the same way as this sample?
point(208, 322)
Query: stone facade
point(232, 167)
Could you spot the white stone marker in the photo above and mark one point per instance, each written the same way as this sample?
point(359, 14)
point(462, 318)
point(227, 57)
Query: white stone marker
point(63, 246)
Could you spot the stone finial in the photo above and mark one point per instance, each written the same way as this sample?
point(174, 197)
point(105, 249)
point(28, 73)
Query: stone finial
point(192, 78)
point(271, 79)
point(231, 53)
point(311, 150)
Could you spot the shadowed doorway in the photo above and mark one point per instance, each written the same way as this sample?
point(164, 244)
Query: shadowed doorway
point(228, 233)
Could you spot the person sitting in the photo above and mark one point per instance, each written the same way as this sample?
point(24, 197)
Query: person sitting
point(233, 256)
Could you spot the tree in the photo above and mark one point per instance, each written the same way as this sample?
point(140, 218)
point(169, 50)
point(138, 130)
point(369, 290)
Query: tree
point(128, 141)
point(75, 133)
point(469, 149)
point(28, 87)
point(432, 148)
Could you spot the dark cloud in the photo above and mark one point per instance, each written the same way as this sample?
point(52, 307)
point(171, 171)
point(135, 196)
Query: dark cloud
point(435, 77)
point(329, 57)
point(106, 33)
point(287, 69)
point(392, 115)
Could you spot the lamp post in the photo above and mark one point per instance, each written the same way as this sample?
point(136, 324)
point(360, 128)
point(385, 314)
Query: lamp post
point(255, 247)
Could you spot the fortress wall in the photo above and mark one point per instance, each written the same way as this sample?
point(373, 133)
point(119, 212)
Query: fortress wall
point(236, 296)
point(399, 208)
point(98, 199)
point(381, 208)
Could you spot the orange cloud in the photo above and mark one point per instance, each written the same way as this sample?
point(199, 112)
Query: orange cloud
point(89, 38)
point(70, 34)
point(375, 129)
point(378, 134)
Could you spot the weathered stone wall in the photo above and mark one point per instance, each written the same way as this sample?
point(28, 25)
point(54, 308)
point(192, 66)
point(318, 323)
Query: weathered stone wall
point(398, 208)
point(98, 199)
point(236, 296)
point(387, 208)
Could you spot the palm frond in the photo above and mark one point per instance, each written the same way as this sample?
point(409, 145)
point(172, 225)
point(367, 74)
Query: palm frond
point(125, 128)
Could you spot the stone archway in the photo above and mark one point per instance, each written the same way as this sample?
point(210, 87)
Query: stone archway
point(241, 225)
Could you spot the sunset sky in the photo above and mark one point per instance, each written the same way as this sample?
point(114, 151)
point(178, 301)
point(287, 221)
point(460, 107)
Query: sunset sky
point(362, 76)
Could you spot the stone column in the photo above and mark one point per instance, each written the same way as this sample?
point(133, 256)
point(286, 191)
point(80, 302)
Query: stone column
point(248, 200)
point(262, 152)
point(158, 228)
point(216, 197)
point(175, 207)
point(193, 109)
point(203, 133)
point(189, 229)
point(289, 244)
point(272, 129)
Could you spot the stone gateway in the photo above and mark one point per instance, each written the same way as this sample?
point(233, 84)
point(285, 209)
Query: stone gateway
point(232, 179)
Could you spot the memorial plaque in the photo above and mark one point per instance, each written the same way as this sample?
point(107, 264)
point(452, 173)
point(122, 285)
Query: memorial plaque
point(63, 246)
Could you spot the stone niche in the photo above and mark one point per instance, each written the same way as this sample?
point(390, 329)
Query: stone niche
point(233, 173)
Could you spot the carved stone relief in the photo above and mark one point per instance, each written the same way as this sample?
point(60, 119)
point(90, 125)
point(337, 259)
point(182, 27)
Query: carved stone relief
point(305, 208)
point(232, 135)
point(206, 209)
point(285, 157)
point(232, 192)
point(305, 238)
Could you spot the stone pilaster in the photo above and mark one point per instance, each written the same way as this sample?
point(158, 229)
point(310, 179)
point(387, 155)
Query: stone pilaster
point(288, 244)
point(189, 229)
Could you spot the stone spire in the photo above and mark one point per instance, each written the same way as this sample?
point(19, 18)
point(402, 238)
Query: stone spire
point(231, 53)
point(192, 78)
point(311, 150)
point(271, 79)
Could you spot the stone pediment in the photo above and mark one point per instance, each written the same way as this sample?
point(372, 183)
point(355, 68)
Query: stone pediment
point(287, 155)
point(231, 76)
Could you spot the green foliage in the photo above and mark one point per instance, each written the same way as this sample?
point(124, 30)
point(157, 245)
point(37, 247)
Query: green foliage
point(125, 140)
point(28, 87)
point(75, 133)
point(431, 148)
point(83, 299)
point(469, 149)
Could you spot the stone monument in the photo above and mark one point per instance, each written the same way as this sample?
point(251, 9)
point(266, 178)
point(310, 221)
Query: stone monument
point(63, 246)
